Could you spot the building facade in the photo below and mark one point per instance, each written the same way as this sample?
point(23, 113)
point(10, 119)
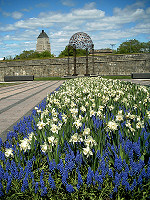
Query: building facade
point(43, 43)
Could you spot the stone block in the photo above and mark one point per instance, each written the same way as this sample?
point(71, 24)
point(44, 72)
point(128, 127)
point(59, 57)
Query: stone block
point(18, 78)
point(140, 75)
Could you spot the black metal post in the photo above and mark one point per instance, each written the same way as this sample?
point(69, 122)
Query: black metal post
point(68, 62)
point(87, 71)
point(74, 54)
point(93, 58)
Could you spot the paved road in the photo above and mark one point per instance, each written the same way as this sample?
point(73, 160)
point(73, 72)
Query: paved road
point(19, 100)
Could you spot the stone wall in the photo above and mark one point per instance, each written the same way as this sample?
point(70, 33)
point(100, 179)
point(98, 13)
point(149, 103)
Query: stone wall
point(103, 65)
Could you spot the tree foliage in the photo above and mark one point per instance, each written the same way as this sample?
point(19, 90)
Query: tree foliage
point(34, 54)
point(134, 46)
point(79, 52)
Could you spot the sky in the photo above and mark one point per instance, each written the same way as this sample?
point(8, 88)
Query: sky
point(105, 21)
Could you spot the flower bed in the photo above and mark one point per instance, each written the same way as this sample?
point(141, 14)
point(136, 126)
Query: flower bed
point(87, 140)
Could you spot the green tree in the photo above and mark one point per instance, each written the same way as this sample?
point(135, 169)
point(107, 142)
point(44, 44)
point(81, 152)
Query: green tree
point(34, 54)
point(145, 47)
point(134, 46)
point(79, 52)
point(45, 54)
point(130, 46)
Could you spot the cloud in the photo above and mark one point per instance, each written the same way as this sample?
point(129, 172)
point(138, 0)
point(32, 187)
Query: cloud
point(76, 16)
point(15, 14)
point(5, 14)
point(104, 29)
point(27, 35)
point(26, 10)
point(42, 5)
point(68, 3)
point(89, 6)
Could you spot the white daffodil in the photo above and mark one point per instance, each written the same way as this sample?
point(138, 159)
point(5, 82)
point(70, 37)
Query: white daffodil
point(64, 118)
point(72, 104)
point(74, 111)
point(51, 140)
point(38, 111)
point(77, 123)
point(74, 138)
point(86, 103)
point(128, 124)
point(132, 130)
point(9, 152)
point(54, 128)
point(148, 114)
point(87, 151)
point(101, 108)
point(132, 116)
point(83, 109)
point(25, 144)
point(111, 107)
point(119, 117)
point(42, 116)
point(138, 118)
point(55, 119)
point(44, 147)
point(41, 124)
point(30, 136)
point(86, 131)
point(112, 125)
point(119, 112)
point(89, 141)
point(99, 113)
point(54, 114)
point(93, 105)
point(140, 125)
point(135, 106)
point(92, 112)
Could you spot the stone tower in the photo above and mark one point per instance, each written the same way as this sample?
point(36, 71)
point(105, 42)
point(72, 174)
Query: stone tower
point(43, 43)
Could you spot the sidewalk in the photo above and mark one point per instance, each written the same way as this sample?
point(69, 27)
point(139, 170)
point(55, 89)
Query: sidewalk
point(19, 100)
point(145, 82)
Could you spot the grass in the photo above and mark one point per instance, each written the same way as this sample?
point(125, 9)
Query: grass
point(49, 78)
point(59, 78)
point(117, 77)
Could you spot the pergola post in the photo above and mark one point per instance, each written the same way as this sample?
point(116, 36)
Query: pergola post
point(93, 58)
point(68, 62)
point(87, 70)
point(74, 55)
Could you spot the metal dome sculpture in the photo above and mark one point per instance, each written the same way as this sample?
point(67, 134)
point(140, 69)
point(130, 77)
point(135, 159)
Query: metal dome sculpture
point(81, 40)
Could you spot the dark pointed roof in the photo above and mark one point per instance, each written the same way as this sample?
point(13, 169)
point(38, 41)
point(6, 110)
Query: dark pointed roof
point(43, 35)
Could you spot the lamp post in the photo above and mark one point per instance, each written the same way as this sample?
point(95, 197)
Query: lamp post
point(112, 45)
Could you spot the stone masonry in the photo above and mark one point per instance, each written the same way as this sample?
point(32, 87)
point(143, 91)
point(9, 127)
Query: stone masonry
point(43, 43)
point(103, 65)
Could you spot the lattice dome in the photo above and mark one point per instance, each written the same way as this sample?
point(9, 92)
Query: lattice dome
point(81, 40)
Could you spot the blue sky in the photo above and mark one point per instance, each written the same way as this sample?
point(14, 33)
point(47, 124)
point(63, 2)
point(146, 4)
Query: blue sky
point(106, 21)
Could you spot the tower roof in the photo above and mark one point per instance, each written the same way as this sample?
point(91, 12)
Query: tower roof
point(43, 35)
